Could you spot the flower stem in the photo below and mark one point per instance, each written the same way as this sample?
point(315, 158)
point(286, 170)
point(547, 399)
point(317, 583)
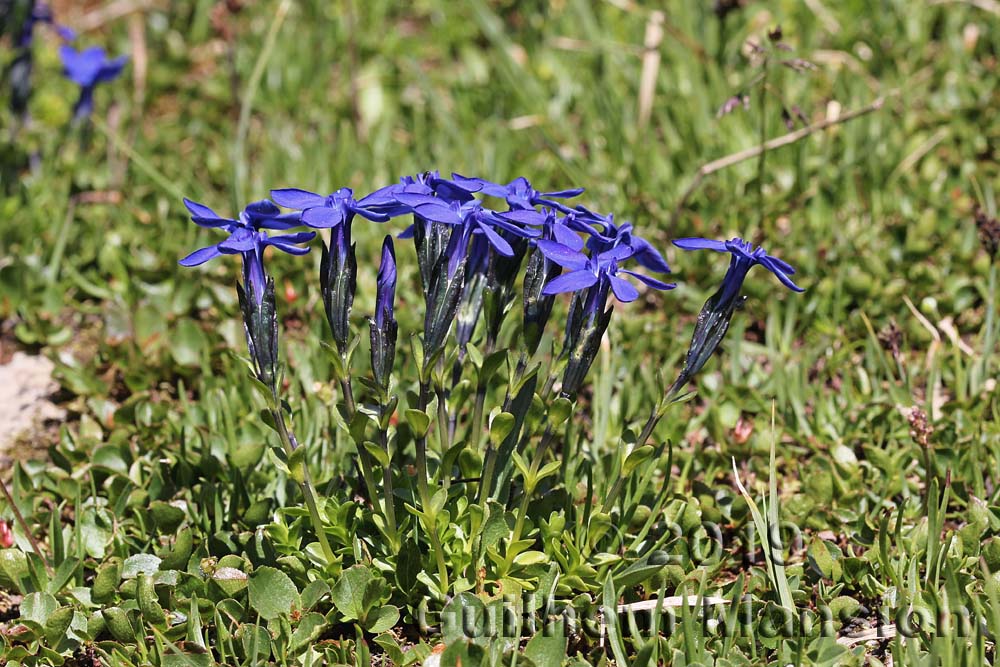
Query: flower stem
point(289, 444)
point(529, 486)
point(364, 458)
point(423, 488)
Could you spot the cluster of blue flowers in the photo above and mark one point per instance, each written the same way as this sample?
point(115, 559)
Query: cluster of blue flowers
point(463, 249)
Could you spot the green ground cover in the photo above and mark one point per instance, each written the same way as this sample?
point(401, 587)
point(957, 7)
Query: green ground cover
point(171, 534)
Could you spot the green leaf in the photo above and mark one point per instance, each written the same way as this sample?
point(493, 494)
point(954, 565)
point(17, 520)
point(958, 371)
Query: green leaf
point(637, 457)
point(377, 453)
point(13, 569)
point(140, 563)
point(297, 465)
point(559, 411)
point(350, 593)
point(309, 629)
point(384, 618)
point(546, 649)
point(37, 607)
point(230, 580)
point(500, 428)
point(166, 517)
point(272, 593)
point(419, 422)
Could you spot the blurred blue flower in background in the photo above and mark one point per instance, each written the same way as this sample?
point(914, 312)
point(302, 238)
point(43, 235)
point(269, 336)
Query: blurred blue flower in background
point(88, 68)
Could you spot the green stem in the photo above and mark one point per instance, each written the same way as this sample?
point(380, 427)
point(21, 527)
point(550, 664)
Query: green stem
point(430, 523)
point(486, 480)
point(365, 459)
point(647, 430)
point(390, 509)
point(529, 486)
point(289, 444)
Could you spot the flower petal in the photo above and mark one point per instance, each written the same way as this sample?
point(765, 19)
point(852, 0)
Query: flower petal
point(694, 243)
point(573, 281)
point(776, 270)
point(652, 282)
point(297, 198)
point(562, 255)
point(781, 264)
point(623, 289)
point(567, 237)
point(241, 240)
point(110, 69)
point(498, 242)
point(647, 256)
point(563, 194)
point(200, 256)
point(323, 217)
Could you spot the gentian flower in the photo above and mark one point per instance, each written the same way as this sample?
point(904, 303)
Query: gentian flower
point(744, 258)
point(245, 238)
point(88, 68)
point(597, 274)
point(383, 326)
point(518, 194)
point(256, 294)
point(717, 313)
point(324, 212)
point(587, 271)
point(613, 235)
point(470, 213)
point(384, 199)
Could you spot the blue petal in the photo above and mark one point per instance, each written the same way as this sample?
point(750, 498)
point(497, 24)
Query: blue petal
point(525, 217)
point(781, 264)
point(497, 241)
point(652, 282)
point(785, 280)
point(567, 237)
point(84, 67)
point(264, 207)
point(562, 255)
point(694, 243)
point(407, 233)
point(623, 289)
point(199, 209)
point(370, 215)
point(111, 69)
point(287, 244)
point(283, 221)
point(200, 256)
point(648, 256)
point(297, 198)
point(564, 194)
point(323, 217)
point(573, 281)
point(241, 240)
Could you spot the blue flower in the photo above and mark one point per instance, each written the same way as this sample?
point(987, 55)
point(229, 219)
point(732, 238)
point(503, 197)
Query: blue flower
point(246, 239)
point(86, 69)
point(386, 295)
point(428, 183)
point(325, 212)
point(744, 258)
point(613, 235)
point(717, 313)
point(471, 214)
point(585, 272)
point(383, 326)
point(518, 194)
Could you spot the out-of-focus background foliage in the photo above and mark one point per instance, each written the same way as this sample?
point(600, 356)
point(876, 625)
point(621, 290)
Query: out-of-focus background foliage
point(222, 101)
